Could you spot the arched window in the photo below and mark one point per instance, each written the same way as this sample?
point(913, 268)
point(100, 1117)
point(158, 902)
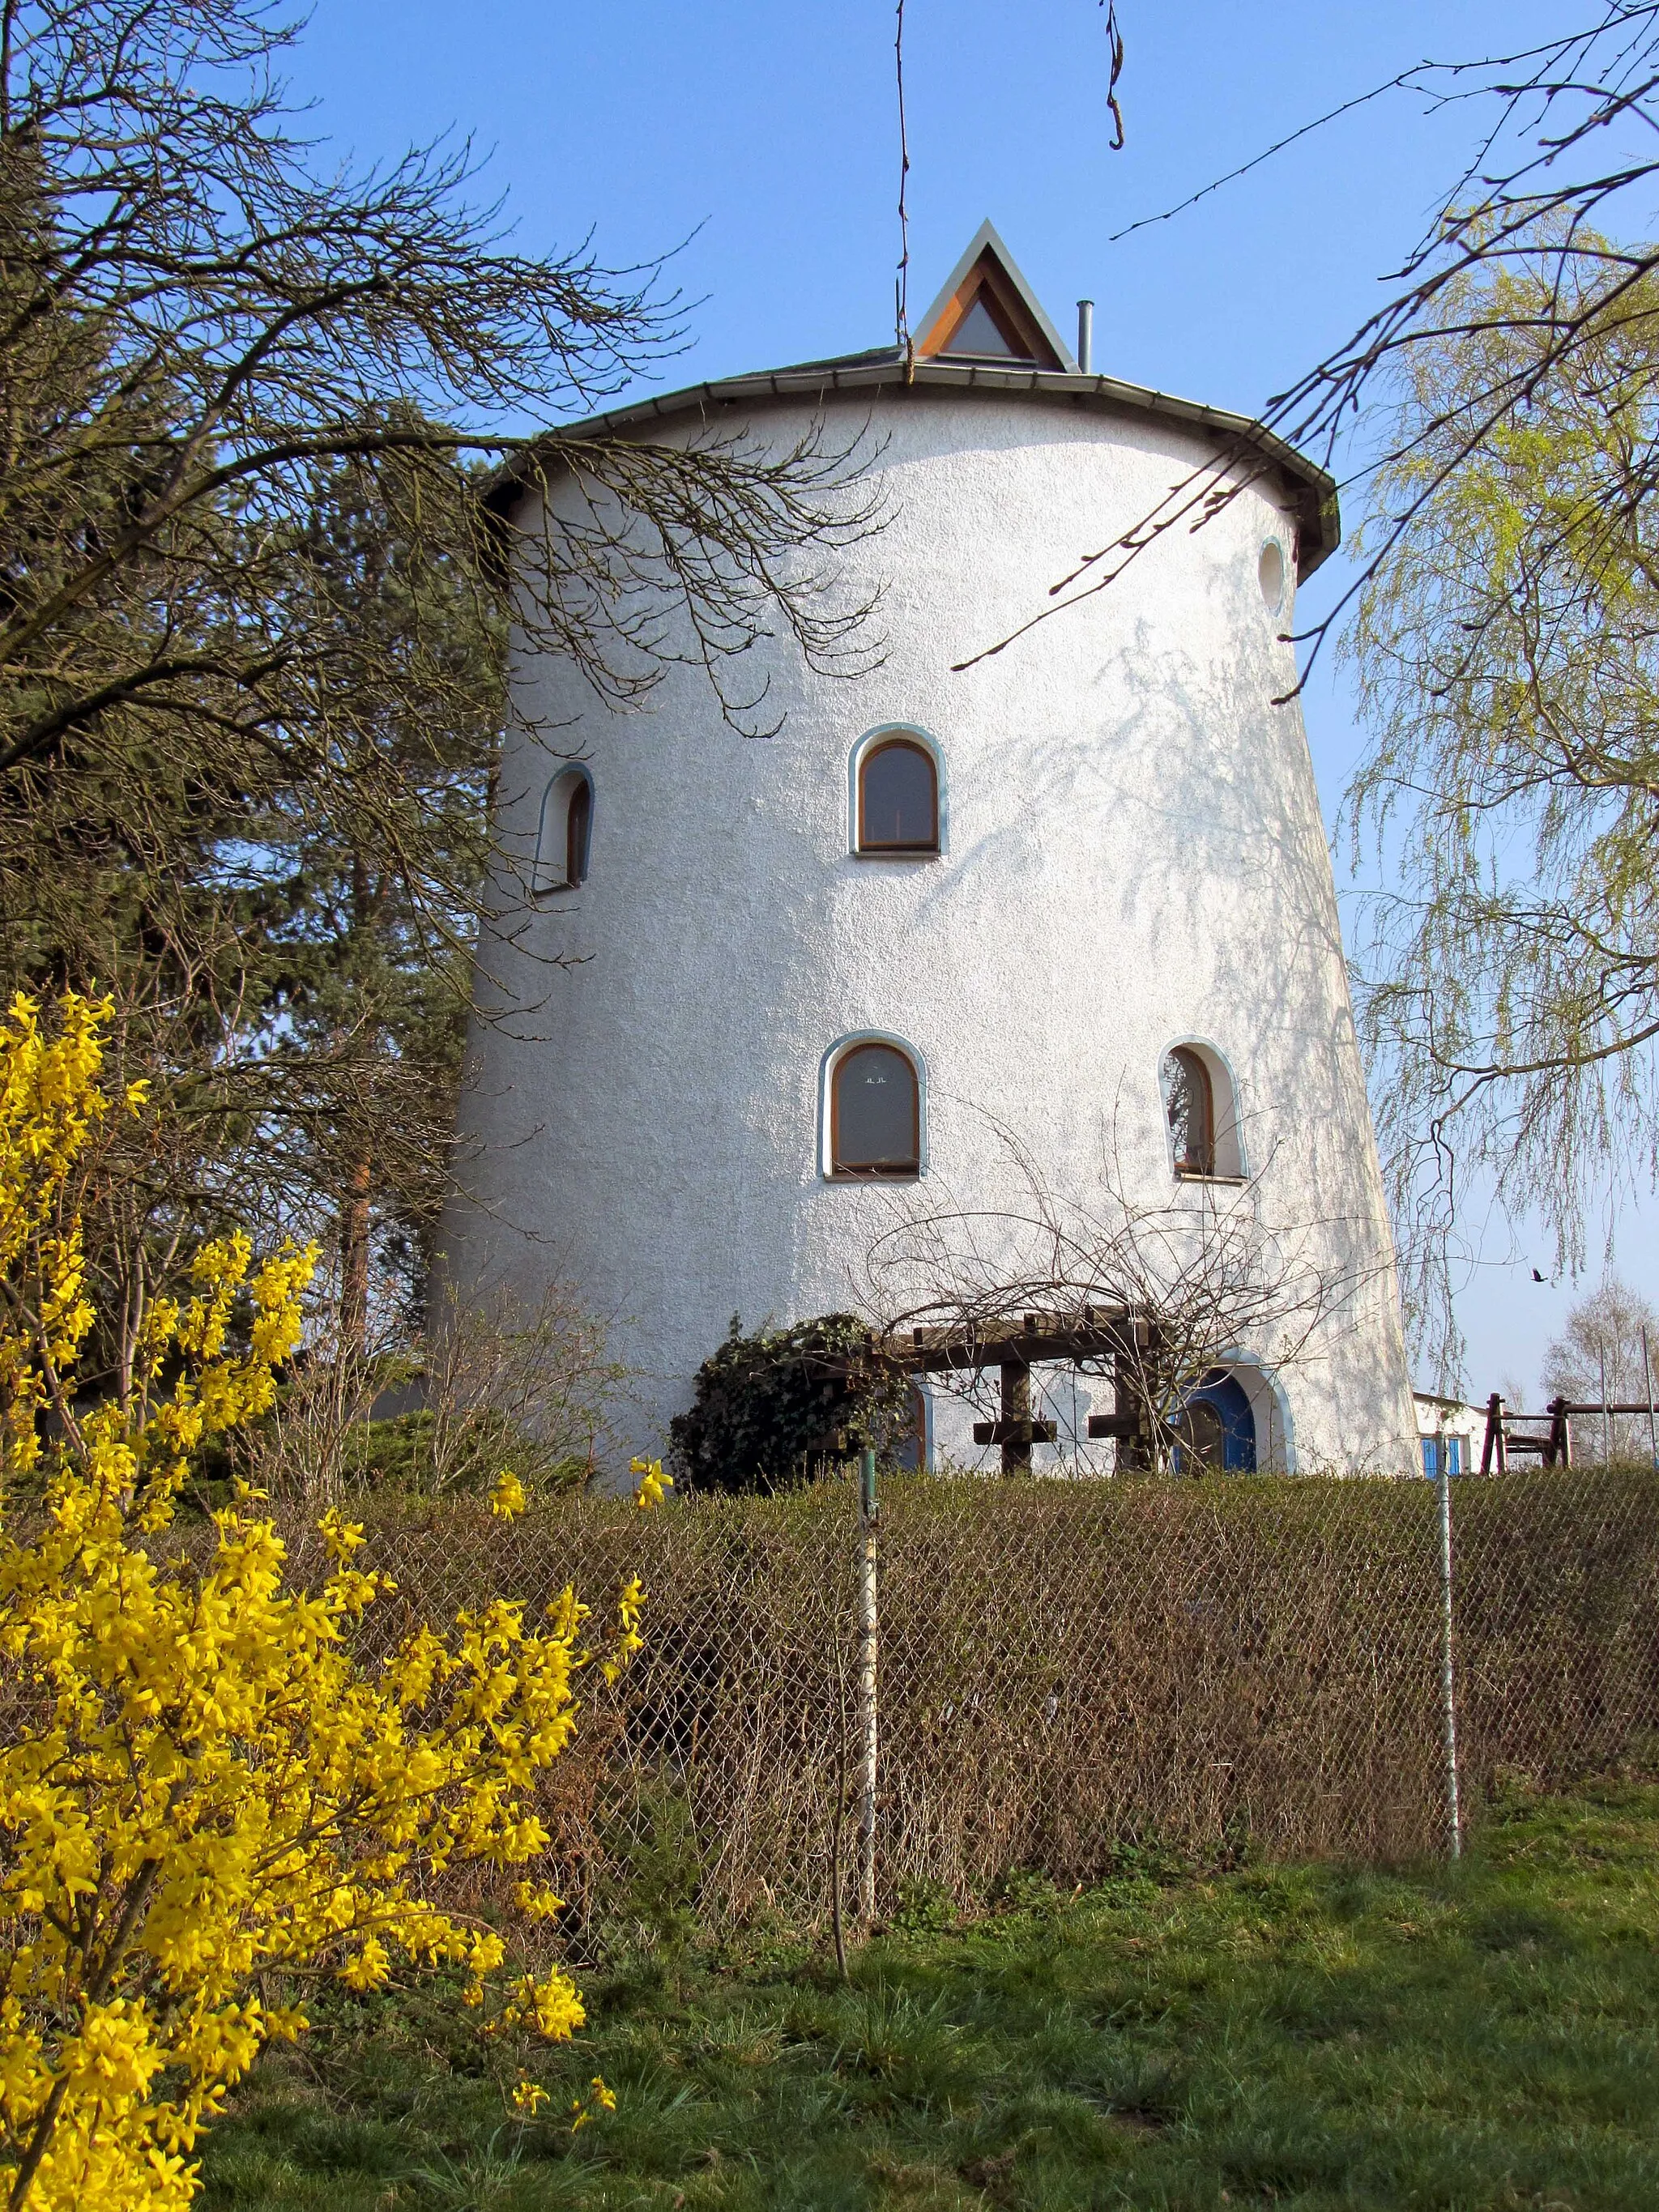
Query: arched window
point(1201, 1113)
point(875, 1113)
point(578, 822)
point(565, 832)
point(897, 802)
point(1189, 1100)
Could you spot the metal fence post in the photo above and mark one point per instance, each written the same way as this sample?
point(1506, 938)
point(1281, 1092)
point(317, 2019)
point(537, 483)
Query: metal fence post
point(1448, 1694)
point(867, 1703)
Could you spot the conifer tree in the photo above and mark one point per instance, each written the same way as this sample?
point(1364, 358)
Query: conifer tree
point(252, 607)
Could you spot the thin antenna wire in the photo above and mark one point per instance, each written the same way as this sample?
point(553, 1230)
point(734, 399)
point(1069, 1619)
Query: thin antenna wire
point(901, 281)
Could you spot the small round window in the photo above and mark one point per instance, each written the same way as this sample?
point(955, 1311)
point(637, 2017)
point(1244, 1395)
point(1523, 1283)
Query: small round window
point(1270, 574)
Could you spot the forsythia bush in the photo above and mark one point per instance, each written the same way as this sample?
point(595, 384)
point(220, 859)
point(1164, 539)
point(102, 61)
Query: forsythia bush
point(200, 1785)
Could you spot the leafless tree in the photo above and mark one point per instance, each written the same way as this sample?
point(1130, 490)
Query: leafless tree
point(1562, 134)
point(1604, 1355)
point(527, 1385)
point(252, 606)
point(194, 317)
point(1203, 1270)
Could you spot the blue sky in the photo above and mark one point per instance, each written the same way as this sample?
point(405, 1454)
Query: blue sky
point(761, 139)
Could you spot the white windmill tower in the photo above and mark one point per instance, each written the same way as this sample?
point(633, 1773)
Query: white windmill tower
point(808, 969)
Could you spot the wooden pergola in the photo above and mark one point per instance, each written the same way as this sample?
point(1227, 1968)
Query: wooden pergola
point(1038, 1339)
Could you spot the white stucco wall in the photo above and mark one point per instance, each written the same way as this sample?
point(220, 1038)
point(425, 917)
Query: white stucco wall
point(1135, 855)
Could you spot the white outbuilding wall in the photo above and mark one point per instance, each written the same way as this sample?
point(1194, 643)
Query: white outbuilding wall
point(1133, 856)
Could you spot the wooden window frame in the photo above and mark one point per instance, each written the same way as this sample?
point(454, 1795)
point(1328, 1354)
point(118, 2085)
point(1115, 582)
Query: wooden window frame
point(911, 1172)
point(864, 844)
point(1186, 1169)
point(988, 278)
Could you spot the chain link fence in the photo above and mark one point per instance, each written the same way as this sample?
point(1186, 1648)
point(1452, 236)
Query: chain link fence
point(1066, 1667)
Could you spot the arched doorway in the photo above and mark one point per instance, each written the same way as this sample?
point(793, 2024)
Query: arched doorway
point(1215, 1429)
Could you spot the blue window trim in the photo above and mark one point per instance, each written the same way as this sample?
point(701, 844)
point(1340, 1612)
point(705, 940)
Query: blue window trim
point(930, 744)
point(833, 1057)
point(1222, 1390)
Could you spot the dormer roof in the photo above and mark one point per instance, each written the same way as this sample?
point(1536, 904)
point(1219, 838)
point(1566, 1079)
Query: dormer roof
point(987, 332)
point(985, 310)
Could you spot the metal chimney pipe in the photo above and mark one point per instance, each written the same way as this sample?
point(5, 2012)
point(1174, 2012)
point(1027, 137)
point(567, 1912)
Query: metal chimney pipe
point(1085, 337)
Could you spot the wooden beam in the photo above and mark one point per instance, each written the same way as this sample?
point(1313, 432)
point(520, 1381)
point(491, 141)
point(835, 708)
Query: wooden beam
point(1014, 1432)
point(1090, 1333)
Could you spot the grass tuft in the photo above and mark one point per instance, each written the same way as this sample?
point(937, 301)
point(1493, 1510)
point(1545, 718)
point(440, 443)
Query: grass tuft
point(1482, 2038)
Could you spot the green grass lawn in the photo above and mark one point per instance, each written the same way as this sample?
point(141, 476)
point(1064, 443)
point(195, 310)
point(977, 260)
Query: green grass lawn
point(1479, 2036)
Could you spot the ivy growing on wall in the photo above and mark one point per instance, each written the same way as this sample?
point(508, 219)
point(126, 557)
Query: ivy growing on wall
point(770, 1409)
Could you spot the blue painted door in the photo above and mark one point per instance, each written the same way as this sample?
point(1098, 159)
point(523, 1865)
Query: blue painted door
point(1220, 1425)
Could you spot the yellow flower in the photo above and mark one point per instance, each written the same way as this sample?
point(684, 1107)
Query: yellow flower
point(653, 1484)
point(506, 1499)
point(212, 1786)
point(528, 2096)
point(599, 2098)
point(341, 1537)
point(537, 1902)
point(630, 1608)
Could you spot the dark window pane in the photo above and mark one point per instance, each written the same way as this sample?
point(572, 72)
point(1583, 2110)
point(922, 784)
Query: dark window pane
point(910, 1445)
point(875, 1122)
point(1187, 1090)
point(578, 821)
point(1201, 1438)
point(898, 800)
point(980, 335)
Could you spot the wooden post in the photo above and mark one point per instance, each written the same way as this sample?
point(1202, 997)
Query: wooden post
point(1015, 1410)
point(1607, 1418)
point(1494, 1458)
point(1127, 1404)
point(1559, 1451)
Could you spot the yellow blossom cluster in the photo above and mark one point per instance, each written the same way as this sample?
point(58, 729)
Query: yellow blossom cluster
point(652, 1485)
point(201, 1783)
point(50, 1103)
point(508, 1499)
point(598, 2100)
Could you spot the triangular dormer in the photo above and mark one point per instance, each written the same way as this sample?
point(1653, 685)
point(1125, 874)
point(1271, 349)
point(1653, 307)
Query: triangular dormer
point(988, 313)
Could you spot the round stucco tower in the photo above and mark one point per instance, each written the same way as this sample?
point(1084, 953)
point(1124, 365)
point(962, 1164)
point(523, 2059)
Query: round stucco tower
point(1130, 857)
